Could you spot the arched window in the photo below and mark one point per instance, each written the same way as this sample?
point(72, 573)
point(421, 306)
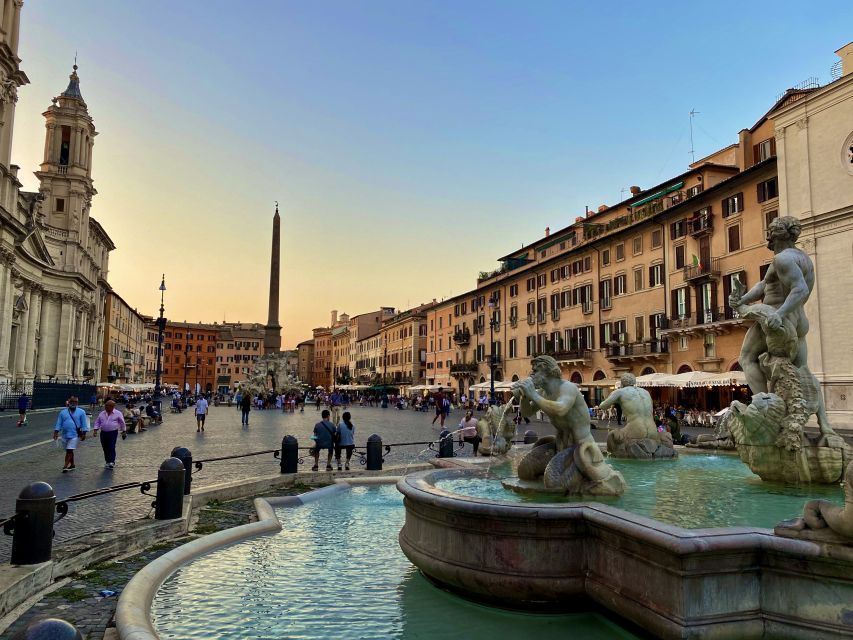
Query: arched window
point(576, 378)
point(515, 378)
point(598, 375)
point(647, 371)
point(499, 376)
point(482, 379)
point(735, 366)
point(685, 368)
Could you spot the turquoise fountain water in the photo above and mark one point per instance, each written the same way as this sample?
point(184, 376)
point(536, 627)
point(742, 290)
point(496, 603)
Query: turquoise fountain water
point(692, 491)
point(336, 571)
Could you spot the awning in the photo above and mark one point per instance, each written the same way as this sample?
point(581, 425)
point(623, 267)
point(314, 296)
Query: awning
point(500, 385)
point(606, 383)
point(725, 379)
point(659, 194)
point(677, 381)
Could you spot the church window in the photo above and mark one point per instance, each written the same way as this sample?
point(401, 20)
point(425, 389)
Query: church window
point(65, 148)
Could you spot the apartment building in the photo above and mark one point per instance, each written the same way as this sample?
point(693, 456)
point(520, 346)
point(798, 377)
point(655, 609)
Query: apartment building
point(238, 346)
point(340, 352)
point(305, 361)
point(322, 367)
point(189, 354)
point(361, 327)
point(404, 347)
point(441, 352)
point(639, 286)
point(124, 342)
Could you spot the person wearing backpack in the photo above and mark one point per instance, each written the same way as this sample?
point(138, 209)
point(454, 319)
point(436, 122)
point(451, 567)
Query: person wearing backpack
point(325, 436)
point(346, 439)
point(72, 423)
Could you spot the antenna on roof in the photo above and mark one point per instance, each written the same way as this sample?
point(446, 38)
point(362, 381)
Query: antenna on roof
point(693, 113)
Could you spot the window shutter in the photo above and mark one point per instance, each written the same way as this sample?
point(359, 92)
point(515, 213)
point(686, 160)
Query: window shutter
point(772, 146)
point(756, 154)
point(713, 296)
point(652, 328)
point(742, 276)
point(673, 309)
point(601, 334)
point(687, 301)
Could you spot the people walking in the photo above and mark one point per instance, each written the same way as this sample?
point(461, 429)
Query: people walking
point(72, 424)
point(23, 405)
point(439, 407)
point(346, 439)
point(110, 423)
point(324, 438)
point(245, 408)
point(200, 413)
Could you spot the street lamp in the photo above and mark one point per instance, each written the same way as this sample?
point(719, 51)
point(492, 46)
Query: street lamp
point(493, 303)
point(197, 359)
point(186, 366)
point(161, 325)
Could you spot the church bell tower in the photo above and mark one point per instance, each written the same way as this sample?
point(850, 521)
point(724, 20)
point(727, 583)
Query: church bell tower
point(65, 174)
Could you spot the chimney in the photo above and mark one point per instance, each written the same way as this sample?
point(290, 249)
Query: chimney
point(635, 190)
point(846, 55)
point(334, 317)
point(602, 207)
point(547, 231)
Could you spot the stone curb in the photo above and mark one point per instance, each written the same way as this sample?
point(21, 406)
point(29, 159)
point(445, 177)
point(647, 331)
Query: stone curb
point(133, 613)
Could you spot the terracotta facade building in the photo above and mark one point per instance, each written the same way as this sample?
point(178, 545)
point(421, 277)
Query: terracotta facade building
point(189, 355)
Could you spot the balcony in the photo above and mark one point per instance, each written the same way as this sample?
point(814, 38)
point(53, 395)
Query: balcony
point(719, 321)
point(573, 356)
point(648, 350)
point(462, 338)
point(463, 369)
point(702, 271)
point(701, 223)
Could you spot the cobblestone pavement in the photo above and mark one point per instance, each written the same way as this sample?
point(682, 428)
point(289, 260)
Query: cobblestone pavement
point(81, 601)
point(141, 454)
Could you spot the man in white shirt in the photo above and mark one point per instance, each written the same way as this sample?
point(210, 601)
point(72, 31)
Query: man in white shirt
point(200, 413)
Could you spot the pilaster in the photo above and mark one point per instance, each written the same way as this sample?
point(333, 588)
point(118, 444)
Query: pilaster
point(23, 323)
point(64, 344)
point(35, 314)
point(7, 260)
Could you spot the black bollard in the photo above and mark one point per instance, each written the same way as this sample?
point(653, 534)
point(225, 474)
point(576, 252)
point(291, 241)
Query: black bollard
point(445, 444)
point(530, 436)
point(49, 629)
point(185, 455)
point(289, 454)
point(374, 453)
point(32, 539)
point(170, 490)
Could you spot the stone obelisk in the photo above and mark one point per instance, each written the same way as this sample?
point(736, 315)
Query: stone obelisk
point(272, 330)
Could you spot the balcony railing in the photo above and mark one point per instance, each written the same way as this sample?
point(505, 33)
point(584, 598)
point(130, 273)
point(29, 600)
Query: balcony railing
point(637, 349)
point(700, 225)
point(462, 338)
point(572, 355)
point(702, 270)
point(708, 316)
point(463, 368)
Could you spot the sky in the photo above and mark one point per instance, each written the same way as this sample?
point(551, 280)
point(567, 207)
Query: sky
point(408, 144)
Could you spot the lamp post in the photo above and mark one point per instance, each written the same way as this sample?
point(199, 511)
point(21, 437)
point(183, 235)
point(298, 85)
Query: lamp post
point(493, 303)
point(161, 325)
point(186, 366)
point(197, 360)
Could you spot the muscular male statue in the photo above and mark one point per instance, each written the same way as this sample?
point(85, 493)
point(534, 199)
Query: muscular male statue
point(786, 287)
point(636, 406)
point(571, 462)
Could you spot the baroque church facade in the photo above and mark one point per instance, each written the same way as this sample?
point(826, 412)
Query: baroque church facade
point(54, 256)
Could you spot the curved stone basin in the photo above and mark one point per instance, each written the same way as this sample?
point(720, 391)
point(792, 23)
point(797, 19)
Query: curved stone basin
point(736, 582)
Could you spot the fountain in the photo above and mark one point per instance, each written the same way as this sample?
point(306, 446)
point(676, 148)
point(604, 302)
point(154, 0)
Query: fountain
point(769, 433)
point(639, 438)
point(570, 462)
point(496, 431)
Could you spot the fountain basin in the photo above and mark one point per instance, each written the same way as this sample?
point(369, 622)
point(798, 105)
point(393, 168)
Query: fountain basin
point(735, 582)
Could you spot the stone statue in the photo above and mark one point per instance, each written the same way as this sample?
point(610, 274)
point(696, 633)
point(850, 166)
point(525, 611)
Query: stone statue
point(639, 438)
point(496, 429)
point(769, 433)
point(823, 515)
point(571, 462)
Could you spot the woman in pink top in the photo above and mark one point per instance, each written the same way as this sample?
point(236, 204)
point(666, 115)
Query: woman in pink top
point(468, 431)
point(110, 423)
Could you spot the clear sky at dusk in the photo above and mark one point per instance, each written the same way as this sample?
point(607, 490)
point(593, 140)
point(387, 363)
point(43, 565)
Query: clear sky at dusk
point(409, 144)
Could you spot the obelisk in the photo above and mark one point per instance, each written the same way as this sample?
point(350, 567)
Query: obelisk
point(272, 330)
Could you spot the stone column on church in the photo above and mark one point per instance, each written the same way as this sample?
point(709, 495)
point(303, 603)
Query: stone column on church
point(35, 313)
point(6, 261)
point(65, 342)
point(16, 26)
point(8, 21)
point(41, 358)
point(23, 323)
